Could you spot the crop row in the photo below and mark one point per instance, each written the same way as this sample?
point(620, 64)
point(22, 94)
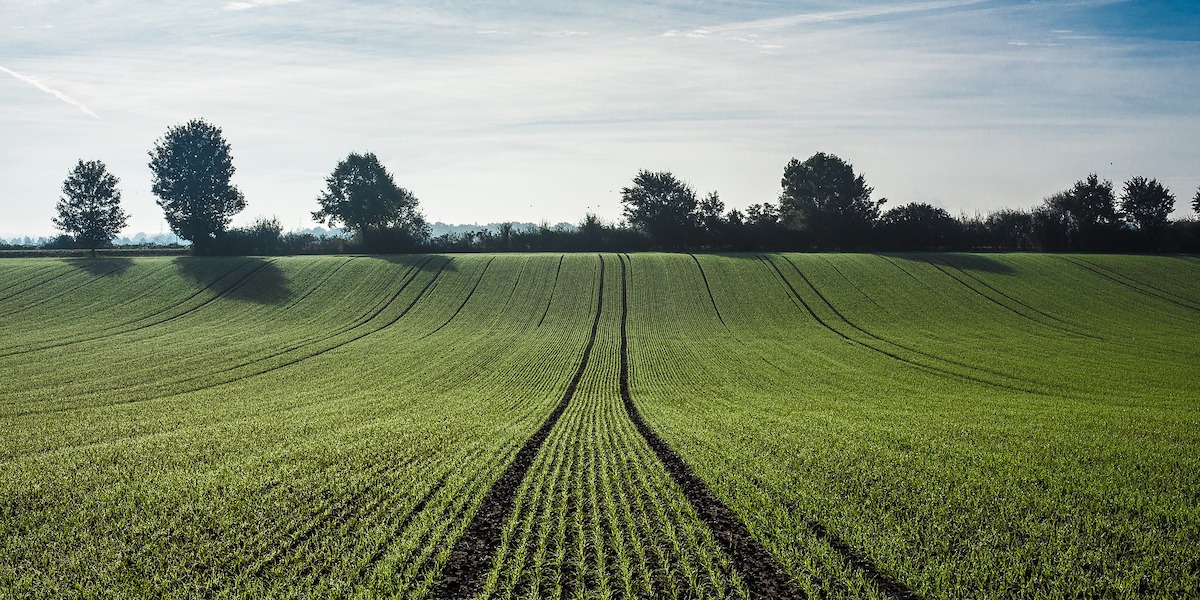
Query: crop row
point(856, 464)
point(880, 425)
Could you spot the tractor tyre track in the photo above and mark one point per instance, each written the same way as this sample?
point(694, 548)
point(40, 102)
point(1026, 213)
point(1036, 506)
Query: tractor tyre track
point(60, 294)
point(35, 274)
point(851, 282)
point(1014, 300)
point(728, 330)
point(876, 337)
point(1131, 283)
point(117, 329)
point(465, 300)
point(760, 571)
point(918, 365)
point(1006, 307)
point(320, 283)
point(553, 288)
point(271, 369)
point(708, 289)
point(66, 271)
point(471, 557)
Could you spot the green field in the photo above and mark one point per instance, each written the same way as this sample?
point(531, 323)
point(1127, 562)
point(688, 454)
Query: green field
point(941, 426)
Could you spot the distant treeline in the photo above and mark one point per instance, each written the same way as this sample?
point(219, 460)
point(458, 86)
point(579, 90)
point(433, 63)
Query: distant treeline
point(823, 205)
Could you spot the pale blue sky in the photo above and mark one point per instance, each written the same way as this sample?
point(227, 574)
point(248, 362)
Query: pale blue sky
point(535, 111)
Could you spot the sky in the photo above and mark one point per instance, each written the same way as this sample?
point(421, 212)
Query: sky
point(505, 110)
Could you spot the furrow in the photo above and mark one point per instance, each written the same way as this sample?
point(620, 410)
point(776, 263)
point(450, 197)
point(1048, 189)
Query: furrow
point(318, 285)
point(761, 572)
point(1130, 283)
point(270, 369)
point(553, 288)
point(922, 366)
point(872, 335)
point(38, 272)
point(471, 557)
point(1006, 307)
point(1014, 300)
point(36, 285)
point(52, 297)
point(117, 329)
point(708, 289)
point(465, 300)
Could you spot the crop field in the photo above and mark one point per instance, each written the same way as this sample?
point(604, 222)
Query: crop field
point(601, 426)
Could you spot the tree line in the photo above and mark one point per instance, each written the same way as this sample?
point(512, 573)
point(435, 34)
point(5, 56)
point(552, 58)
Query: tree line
point(823, 205)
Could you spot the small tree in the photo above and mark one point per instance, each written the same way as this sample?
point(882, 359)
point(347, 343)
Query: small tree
point(362, 197)
point(823, 196)
point(1146, 204)
point(191, 168)
point(1196, 202)
point(662, 206)
point(90, 207)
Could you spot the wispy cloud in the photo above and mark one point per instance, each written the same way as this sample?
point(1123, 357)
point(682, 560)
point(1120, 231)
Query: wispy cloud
point(53, 92)
point(868, 12)
point(248, 4)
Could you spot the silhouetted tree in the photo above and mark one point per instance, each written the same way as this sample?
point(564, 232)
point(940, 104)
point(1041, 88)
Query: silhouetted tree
point(591, 232)
point(362, 197)
point(1146, 205)
point(1011, 229)
point(823, 196)
point(191, 167)
point(1052, 224)
point(1196, 202)
point(90, 207)
point(662, 206)
point(1091, 212)
point(918, 226)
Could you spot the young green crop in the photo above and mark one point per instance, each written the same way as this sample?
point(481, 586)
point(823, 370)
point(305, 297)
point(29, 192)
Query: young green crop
point(1010, 426)
point(955, 425)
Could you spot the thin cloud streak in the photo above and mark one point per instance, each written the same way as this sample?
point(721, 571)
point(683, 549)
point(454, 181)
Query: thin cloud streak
point(838, 15)
point(248, 4)
point(53, 92)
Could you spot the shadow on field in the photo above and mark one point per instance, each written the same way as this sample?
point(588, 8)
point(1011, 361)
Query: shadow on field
point(966, 262)
point(422, 261)
point(101, 266)
point(250, 279)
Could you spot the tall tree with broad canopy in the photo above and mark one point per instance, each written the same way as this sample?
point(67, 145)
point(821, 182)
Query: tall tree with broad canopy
point(823, 196)
point(90, 208)
point(1090, 211)
point(1146, 204)
point(191, 168)
point(663, 206)
point(362, 197)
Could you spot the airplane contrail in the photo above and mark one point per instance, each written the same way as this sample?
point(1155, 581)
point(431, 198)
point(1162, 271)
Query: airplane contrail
point(53, 92)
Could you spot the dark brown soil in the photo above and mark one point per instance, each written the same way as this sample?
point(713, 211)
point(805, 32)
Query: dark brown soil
point(760, 572)
point(471, 558)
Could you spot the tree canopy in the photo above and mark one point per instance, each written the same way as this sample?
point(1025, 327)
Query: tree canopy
point(90, 208)
point(663, 206)
point(1146, 204)
point(1083, 217)
point(823, 196)
point(918, 226)
point(191, 167)
point(362, 197)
